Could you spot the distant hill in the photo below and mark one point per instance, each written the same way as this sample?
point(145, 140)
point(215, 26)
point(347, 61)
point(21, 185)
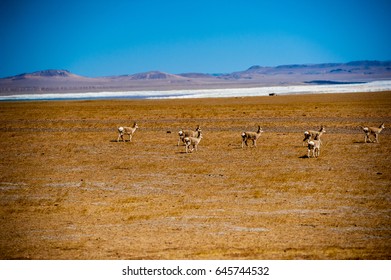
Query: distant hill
point(54, 80)
point(355, 69)
point(45, 73)
point(152, 75)
point(51, 80)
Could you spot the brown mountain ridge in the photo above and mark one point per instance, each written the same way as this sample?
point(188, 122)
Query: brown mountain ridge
point(53, 80)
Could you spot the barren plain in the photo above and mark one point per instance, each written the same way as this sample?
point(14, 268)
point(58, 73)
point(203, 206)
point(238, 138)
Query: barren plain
point(70, 191)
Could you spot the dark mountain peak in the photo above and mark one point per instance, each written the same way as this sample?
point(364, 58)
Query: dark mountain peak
point(292, 66)
point(255, 67)
point(52, 73)
point(368, 63)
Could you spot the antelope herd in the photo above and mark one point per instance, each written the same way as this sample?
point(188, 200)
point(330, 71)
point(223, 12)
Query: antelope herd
point(192, 138)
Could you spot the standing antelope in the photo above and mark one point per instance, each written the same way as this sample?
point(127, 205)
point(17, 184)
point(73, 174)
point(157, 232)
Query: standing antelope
point(126, 130)
point(314, 146)
point(187, 133)
point(313, 134)
point(192, 141)
point(372, 131)
point(253, 136)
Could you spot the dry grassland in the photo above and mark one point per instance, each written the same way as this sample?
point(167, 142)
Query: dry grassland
point(69, 191)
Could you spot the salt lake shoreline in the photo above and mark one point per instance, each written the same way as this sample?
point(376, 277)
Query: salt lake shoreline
point(374, 86)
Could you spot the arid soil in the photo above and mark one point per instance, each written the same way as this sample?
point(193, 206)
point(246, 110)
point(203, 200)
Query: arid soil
point(70, 191)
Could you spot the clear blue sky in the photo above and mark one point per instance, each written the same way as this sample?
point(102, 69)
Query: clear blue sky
point(98, 38)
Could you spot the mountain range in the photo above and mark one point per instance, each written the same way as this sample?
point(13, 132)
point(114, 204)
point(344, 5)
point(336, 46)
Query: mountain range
point(53, 81)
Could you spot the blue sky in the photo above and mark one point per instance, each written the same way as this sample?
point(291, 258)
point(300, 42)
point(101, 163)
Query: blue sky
point(98, 38)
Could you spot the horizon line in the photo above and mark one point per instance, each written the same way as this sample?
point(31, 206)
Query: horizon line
point(206, 73)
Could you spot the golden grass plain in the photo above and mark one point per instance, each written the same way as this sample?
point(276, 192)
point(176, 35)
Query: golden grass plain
point(70, 191)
